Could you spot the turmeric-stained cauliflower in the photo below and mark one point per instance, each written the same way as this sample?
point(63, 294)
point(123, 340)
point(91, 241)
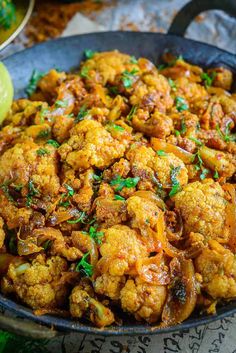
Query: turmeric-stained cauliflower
point(143, 300)
point(117, 191)
point(91, 144)
point(202, 206)
point(39, 284)
point(217, 267)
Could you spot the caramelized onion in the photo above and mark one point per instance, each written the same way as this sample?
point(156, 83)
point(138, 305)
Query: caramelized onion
point(185, 156)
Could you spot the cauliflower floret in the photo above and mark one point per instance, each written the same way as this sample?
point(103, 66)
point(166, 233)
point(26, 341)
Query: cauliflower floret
point(120, 250)
point(38, 284)
point(157, 124)
point(109, 285)
point(91, 144)
point(24, 163)
point(145, 163)
point(144, 301)
point(202, 206)
point(82, 303)
point(217, 266)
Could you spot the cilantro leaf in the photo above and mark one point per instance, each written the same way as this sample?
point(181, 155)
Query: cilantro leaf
point(127, 77)
point(161, 153)
point(208, 78)
point(133, 60)
point(32, 191)
point(32, 85)
point(131, 113)
point(61, 104)
point(43, 134)
point(82, 113)
point(70, 190)
point(181, 104)
point(42, 152)
point(53, 143)
point(118, 197)
point(198, 142)
point(121, 183)
point(89, 54)
point(175, 183)
point(78, 220)
point(84, 72)
point(84, 266)
point(115, 127)
point(172, 84)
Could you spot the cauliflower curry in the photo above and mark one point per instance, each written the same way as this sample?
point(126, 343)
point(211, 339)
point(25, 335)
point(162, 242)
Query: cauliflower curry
point(117, 191)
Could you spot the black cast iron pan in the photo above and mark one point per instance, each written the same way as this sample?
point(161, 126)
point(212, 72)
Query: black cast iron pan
point(66, 53)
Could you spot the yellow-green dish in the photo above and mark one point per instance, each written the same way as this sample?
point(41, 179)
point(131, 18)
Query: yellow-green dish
point(6, 92)
point(24, 9)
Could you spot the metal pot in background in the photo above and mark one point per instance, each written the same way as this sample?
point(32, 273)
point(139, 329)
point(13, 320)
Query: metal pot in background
point(28, 6)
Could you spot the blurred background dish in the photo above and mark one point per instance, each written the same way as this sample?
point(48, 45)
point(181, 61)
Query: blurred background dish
point(13, 17)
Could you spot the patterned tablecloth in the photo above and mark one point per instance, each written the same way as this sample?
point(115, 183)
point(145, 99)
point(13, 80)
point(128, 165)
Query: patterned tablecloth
point(145, 15)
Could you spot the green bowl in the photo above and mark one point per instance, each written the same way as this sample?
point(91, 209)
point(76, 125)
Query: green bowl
point(24, 10)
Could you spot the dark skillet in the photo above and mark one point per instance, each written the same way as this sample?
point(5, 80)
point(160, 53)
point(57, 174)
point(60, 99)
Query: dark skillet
point(66, 54)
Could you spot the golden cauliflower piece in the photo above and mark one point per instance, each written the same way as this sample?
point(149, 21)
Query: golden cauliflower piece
point(146, 164)
point(144, 301)
point(109, 285)
point(91, 144)
point(82, 303)
point(202, 206)
point(217, 267)
point(24, 163)
point(38, 284)
point(120, 250)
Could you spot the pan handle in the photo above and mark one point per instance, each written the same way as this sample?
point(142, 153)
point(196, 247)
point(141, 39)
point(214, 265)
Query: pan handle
point(26, 328)
point(185, 16)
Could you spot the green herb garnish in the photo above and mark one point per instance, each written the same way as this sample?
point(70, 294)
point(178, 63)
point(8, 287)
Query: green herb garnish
point(115, 127)
point(121, 183)
point(133, 60)
point(172, 84)
point(43, 134)
point(227, 137)
point(198, 142)
point(47, 244)
point(97, 236)
point(42, 152)
point(208, 78)
point(118, 197)
point(132, 112)
point(216, 175)
point(204, 173)
point(113, 90)
point(5, 188)
point(84, 266)
point(175, 183)
point(65, 204)
point(53, 143)
point(127, 77)
point(36, 76)
point(181, 104)
point(98, 178)
point(177, 133)
point(183, 127)
point(32, 191)
point(70, 190)
point(161, 153)
point(89, 54)
point(61, 104)
point(78, 220)
point(84, 72)
point(82, 114)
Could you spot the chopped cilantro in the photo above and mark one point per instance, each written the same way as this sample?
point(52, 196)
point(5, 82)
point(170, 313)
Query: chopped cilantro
point(133, 60)
point(97, 236)
point(208, 78)
point(35, 77)
point(198, 142)
point(216, 175)
point(43, 134)
point(97, 178)
point(78, 220)
point(113, 90)
point(161, 153)
point(227, 137)
point(84, 266)
point(132, 112)
point(53, 143)
point(177, 133)
point(61, 104)
point(32, 191)
point(175, 183)
point(121, 183)
point(204, 173)
point(42, 152)
point(172, 84)
point(181, 104)
point(118, 197)
point(183, 127)
point(5, 189)
point(82, 113)
point(89, 54)
point(65, 204)
point(70, 190)
point(115, 127)
point(84, 72)
point(127, 77)
point(47, 244)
